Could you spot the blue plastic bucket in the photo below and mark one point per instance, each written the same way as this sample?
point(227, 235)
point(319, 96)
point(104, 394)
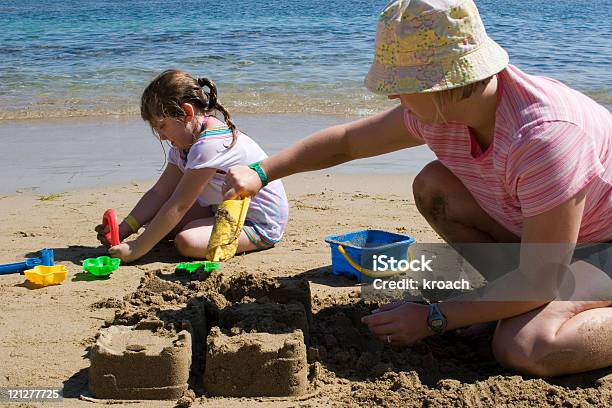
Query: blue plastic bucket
point(360, 248)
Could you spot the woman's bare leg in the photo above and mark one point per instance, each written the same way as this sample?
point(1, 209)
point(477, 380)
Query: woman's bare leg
point(562, 337)
point(451, 209)
point(454, 214)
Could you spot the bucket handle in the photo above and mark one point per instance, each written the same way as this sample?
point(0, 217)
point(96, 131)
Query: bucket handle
point(369, 272)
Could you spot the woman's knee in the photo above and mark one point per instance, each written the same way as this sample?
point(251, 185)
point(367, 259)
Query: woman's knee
point(428, 177)
point(430, 189)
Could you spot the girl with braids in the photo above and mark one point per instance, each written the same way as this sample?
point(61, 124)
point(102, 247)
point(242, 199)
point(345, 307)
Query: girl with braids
point(182, 203)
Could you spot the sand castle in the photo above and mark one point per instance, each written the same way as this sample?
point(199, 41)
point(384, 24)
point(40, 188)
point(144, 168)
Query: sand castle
point(242, 337)
point(256, 364)
point(128, 363)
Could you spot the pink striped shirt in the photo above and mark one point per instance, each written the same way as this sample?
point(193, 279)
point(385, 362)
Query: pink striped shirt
point(550, 142)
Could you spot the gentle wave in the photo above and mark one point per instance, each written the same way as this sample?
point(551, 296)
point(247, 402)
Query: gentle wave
point(341, 103)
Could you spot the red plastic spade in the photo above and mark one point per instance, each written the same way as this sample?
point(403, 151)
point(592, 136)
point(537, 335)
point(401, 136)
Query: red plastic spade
point(109, 222)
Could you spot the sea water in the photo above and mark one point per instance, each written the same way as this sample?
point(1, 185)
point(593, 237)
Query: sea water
point(94, 57)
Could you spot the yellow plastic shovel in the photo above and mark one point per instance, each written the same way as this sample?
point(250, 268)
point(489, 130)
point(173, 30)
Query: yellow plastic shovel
point(229, 221)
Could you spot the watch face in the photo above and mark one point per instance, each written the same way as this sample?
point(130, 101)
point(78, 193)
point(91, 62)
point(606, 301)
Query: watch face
point(436, 323)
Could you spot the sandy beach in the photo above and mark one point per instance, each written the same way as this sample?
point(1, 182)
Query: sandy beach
point(46, 333)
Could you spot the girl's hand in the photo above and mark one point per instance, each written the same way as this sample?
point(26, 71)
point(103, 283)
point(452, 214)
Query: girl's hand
point(101, 231)
point(241, 181)
point(126, 251)
point(124, 232)
point(399, 324)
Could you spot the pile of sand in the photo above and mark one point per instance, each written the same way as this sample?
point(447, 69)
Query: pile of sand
point(347, 365)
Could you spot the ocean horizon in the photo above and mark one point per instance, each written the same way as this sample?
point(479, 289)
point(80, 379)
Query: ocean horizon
point(92, 57)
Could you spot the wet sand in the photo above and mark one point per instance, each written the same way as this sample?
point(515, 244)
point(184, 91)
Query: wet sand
point(55, 155)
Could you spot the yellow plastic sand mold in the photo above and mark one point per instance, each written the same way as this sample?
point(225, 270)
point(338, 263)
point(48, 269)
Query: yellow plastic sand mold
point(46, 275)
point(229, 221)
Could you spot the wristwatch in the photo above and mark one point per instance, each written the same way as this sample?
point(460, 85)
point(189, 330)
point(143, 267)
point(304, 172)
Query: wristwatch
point(436, 319)
point(260, 172)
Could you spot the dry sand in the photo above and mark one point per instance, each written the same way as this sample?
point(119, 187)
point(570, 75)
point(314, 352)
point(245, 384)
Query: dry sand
point(45, 333)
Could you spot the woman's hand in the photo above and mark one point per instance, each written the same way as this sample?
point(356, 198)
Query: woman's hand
point(241, 181)
point(126, 251)
point(398, 323)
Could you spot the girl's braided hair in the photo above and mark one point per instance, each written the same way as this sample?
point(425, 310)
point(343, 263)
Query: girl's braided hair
point(164, 96)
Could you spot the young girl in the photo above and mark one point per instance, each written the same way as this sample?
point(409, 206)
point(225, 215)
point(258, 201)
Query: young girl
point(521, 158)
point(182, 203)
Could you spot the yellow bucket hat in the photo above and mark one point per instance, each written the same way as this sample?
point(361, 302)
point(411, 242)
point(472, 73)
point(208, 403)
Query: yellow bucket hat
point(431, 45)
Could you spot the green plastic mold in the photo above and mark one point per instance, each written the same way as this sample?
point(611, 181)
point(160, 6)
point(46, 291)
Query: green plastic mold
point(192, 267)
point(101, 266)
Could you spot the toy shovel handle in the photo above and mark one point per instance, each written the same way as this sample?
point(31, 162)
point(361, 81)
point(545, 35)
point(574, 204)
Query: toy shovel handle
point(110, 219)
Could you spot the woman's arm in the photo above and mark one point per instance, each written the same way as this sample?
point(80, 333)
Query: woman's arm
point(373, 136)
point(169, 215)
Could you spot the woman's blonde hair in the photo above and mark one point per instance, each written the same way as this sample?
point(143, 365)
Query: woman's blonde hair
point(163, 98)
point(442, 99)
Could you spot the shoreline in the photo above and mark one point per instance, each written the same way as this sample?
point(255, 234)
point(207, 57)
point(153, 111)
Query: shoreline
point(105, 151)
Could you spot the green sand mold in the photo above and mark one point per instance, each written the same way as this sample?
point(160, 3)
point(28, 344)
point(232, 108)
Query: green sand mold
point(101, 266)
point(192, 267)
